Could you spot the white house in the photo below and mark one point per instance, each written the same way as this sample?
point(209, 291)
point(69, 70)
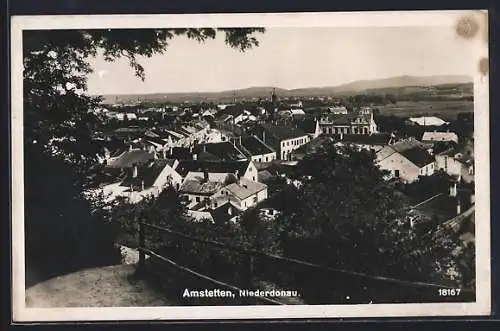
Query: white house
point(218, 171)
point(144, 180)
point(428, 121)
point(406, 161)
point(243, 193)
point(256, 149)
point(440, 136)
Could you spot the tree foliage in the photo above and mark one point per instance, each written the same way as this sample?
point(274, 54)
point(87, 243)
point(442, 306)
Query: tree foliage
point(58, 147)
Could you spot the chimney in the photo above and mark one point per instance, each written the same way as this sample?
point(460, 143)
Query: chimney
point(130, 147)
point(459, 209)
point(164, 153)
point(237, 174)
point(264, 136)
point(171, 150)
point(205, 148)
point(195, 157)
point(341, 136)
point(205, 175)
point(134, 171)
point(142, 186)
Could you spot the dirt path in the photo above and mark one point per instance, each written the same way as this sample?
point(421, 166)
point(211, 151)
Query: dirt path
point(100, 287)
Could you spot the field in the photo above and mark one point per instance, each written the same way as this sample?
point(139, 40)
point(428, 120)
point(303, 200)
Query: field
point(447, 110)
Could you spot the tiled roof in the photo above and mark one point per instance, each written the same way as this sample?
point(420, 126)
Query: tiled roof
point(224, 151)
point(129, 158)
point(245, 188)
point(147, 173)
point(199, 187)
point(418, 156)
point(439, 136)
point(186, 166)
point(225, 212)
point(282, 132)
point(254, 146)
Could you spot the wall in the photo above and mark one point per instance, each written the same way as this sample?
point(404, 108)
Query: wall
point(249, 202)
point(287, 146)
point(163, 178)
point(252, 173)
point(449, 165)
point(264, 157)
point(408, 172)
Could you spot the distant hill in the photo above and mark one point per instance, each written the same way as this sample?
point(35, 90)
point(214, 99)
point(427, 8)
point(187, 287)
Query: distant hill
point(264, 91)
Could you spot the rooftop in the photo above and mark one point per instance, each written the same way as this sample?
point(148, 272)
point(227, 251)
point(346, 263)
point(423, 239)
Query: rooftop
point(129, 158)
point(146, 173)
point(255, 146)
point(245, 188)
point(187, 166)
point(439, 136)
point(418, 156)
point(224, 151)
point(282, 132)
point(200, 187)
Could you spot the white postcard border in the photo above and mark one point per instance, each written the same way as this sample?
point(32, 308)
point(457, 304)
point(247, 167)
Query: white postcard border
point(482, 306)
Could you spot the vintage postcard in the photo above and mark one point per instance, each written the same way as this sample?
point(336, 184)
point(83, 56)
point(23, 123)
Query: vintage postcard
point(250, 166)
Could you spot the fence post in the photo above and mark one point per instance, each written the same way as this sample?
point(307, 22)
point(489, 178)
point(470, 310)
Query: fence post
point(142, 244)
point(249, 278)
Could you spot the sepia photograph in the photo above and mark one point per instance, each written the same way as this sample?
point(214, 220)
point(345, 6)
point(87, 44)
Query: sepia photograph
point(250, 166)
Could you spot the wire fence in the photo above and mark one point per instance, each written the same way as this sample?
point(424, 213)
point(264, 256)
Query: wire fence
point(328, 276)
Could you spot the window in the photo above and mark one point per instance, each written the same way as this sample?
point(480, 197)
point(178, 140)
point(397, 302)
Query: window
point(396, 173)
point(253, 178)
point(197, 199)
point(255, 199)
point(215, 204)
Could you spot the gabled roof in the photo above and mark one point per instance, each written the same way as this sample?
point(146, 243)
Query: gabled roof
point(439, 136)
point(254, 146)
point(245, 188)
point(282, 132)
point(200, 187)
point(418, 156)
point(129, 158)
point(147, 173)
point(225, 212)
point(428, 121)
point(224, 151)
point(187, 166)
point(155, 140)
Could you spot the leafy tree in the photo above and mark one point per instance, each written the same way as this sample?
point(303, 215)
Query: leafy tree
point(58, 149)
point(344, 216)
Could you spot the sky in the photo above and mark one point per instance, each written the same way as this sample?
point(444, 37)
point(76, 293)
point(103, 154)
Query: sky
point(291, 58)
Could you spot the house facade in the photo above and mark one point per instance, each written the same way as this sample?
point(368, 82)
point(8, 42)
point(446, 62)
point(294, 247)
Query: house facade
point(256, 149)
point(354, 122)
point(243, 194)
point(406, 160)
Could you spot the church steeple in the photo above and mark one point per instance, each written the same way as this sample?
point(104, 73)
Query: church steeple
point(274, 97)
